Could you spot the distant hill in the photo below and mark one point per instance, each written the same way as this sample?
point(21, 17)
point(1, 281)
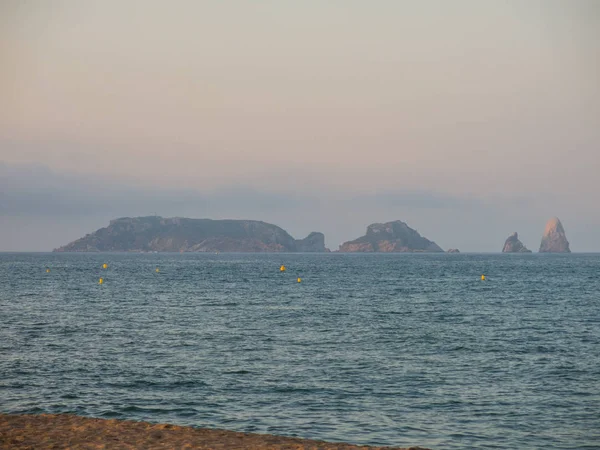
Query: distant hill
point(390, 237)
point(153, 233)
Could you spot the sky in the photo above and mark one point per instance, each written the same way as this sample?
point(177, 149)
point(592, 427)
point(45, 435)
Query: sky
point(468, 119)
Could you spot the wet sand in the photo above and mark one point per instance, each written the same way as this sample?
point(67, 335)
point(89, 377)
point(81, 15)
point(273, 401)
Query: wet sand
point(65, 431)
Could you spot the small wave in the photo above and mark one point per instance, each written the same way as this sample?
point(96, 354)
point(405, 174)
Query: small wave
point(69, 396)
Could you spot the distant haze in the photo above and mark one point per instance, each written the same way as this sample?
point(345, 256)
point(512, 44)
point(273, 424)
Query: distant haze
point(467, 119)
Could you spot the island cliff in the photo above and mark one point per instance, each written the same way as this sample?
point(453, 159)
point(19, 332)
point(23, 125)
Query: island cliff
point(390, 237)
point(131, 234)
point(554, 239)
point(514, 245)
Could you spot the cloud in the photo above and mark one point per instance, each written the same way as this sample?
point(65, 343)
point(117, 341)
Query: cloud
point(35, 190)
point(421, 199)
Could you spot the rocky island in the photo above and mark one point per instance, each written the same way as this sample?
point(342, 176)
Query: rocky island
point(390, 237)
point(514, 245)
point(554, 239)
point(154, 233)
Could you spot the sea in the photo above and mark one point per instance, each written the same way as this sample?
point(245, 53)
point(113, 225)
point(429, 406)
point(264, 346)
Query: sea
point(379, 349)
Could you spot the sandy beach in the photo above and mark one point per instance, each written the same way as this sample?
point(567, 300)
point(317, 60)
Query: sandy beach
point(65, 431)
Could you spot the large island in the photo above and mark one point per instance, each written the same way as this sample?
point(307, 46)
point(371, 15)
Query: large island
point(158, 234)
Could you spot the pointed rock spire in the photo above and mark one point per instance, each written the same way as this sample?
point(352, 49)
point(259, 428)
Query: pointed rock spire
point(554, 239)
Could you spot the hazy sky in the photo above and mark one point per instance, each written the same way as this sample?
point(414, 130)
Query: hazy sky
point(466, 119)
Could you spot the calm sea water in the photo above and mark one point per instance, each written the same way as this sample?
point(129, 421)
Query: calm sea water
point(369, 349)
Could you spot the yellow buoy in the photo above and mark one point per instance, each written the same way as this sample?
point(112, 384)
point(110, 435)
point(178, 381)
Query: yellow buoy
point(105, 266)
point(101, 280)
point(157, 270)
point(482, 277)
point(299, 280)
point(47, 270)
point(282, 269)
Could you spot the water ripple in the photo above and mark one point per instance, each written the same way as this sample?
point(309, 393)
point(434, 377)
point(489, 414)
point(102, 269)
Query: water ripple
point(371, 349)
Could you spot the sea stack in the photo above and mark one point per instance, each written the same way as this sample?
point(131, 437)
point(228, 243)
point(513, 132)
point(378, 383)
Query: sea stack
point(514, 245)
point(554, 239)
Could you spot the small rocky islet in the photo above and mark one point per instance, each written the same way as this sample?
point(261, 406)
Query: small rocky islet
point(514, 245)
point(554, 240)
point(391, 237)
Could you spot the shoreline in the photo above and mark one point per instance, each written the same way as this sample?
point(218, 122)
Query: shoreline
point(45, 431)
